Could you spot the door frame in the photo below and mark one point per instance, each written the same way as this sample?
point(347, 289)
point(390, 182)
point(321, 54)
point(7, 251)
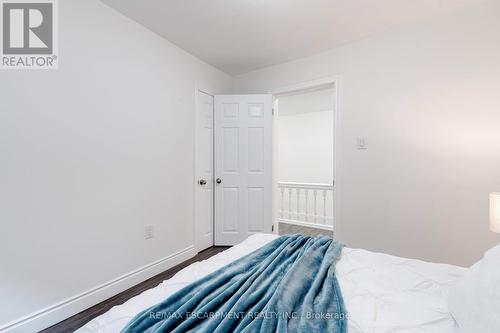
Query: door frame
point(195, 183)
point(335, 82)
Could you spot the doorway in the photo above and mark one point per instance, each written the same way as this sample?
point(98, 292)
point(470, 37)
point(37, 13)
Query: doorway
point(305, 158)
point(248, 182)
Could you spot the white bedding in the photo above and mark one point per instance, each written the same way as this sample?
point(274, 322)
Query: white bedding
point(382, 293)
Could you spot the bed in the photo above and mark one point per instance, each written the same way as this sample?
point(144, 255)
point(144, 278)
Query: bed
point(382, 293)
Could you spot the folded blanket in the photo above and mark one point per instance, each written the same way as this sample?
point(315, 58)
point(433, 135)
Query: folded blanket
point(288, 285)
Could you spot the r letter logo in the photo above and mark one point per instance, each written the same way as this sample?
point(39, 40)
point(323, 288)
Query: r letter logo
point(29, 36)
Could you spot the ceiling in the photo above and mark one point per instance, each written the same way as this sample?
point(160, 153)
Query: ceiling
point(239, 36)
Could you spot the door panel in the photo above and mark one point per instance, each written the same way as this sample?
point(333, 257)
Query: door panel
point(243, 161)
point(256, 204)
point(230, 201)
point(204, 193)
point(256, 149)
point(229, 150)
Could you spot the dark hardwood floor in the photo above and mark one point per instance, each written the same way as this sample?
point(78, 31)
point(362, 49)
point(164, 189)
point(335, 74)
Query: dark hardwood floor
point(73, 323)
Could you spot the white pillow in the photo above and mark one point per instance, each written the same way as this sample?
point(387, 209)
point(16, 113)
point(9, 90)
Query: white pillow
point(475, 299)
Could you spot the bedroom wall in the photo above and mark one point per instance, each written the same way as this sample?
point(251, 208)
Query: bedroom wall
point(427, 99)
point(90, 154)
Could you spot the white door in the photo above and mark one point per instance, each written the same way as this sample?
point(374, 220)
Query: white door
point(204, 193)
point(243, 167)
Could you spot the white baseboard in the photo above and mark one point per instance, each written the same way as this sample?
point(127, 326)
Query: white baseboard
point(307, 224)
point(58, 312)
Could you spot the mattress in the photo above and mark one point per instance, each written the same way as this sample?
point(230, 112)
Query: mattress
point(382, 293)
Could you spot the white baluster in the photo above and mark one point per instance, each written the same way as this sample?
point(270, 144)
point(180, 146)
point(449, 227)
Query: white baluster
point(298, 203)
point(324, 206)
point(282, 190)
point(300, 194)
point(315, 193)
point(306, 217)
point(333, 208)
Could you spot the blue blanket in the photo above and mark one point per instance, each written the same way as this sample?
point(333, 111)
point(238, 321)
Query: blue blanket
point(288, 285)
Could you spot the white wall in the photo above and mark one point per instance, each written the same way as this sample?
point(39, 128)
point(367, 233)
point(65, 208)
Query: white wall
point(305, 136)
point(427, 99)
point(305, 147)
point(91, 153)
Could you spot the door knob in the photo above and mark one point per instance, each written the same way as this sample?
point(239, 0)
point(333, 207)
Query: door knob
point(218, 180)
point(202, 182)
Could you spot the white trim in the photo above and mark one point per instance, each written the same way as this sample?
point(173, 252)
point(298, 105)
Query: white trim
point(307, 85)
point(336, 81)
point(307, 224)
point(274, 197)
point(55, 313)
point(205, 92)
point(305, 185)
point(337, 149)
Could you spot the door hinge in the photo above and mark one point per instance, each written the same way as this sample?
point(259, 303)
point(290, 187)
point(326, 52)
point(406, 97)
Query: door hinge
point(272, 228)
point(273, 111)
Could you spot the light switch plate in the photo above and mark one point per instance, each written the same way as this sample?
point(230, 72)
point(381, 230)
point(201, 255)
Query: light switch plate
point(361, 143)
point(149, 231)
